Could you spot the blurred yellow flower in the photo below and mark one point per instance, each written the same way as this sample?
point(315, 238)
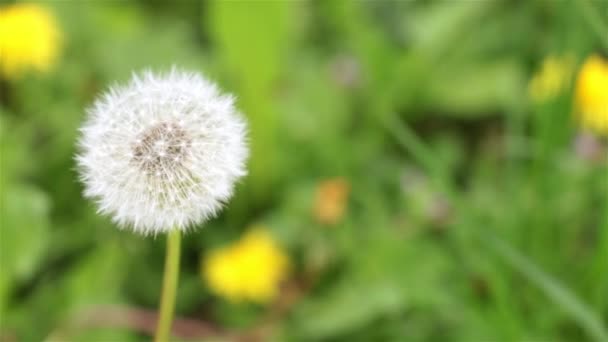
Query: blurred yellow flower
point(29, 38)
point(331, 200)
point(592, 94)
point(250, 269)
point(553, 77)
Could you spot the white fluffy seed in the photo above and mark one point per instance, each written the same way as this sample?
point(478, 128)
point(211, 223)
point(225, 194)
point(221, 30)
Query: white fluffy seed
point(162, 152)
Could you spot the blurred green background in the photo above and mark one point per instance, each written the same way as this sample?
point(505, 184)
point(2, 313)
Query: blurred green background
point(398, 158)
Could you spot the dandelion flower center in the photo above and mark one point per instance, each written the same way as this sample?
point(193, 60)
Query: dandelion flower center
point(160, 148)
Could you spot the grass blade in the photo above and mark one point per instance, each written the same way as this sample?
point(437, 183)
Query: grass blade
point(552, 288)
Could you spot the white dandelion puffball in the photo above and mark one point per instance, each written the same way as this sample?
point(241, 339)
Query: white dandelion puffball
point(162, 152)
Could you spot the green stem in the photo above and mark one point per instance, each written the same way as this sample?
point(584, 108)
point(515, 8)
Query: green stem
point(169, 290)
point(601, 258)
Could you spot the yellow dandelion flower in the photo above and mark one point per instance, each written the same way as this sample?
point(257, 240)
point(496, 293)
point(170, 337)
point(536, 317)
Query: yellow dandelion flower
point(29, 39)
point(591, 94)
point(250, 269)
point(331, 200)
point(553, 77)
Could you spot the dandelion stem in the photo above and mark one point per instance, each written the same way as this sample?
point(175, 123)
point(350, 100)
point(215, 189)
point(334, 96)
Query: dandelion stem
point(169, 290)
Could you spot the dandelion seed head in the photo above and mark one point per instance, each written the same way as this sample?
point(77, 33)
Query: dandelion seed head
point(162, 152)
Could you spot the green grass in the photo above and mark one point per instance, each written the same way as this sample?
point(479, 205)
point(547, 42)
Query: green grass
point(471, 216)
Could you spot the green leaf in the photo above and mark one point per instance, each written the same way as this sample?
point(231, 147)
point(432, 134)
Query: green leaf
point(387, 276)
point(253, 39)
point(475, 91)
point(23, 235)
point(349, 305)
